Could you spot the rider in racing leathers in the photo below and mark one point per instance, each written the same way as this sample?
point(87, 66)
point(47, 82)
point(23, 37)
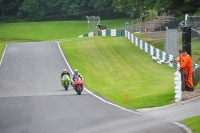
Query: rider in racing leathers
point(76, 74)
point(63, 73)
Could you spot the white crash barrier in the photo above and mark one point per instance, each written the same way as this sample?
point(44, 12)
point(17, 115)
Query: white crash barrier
point(177, 81)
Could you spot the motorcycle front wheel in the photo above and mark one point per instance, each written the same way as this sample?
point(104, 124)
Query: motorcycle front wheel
point(66, 86)
point(79, 90)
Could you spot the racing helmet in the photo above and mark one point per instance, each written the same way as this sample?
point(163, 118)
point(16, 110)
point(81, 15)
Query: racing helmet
point(76, 71)
point(64, 70)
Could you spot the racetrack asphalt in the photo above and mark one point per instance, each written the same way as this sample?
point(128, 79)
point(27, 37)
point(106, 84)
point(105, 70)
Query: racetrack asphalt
point(177, 111)
point(33, 100)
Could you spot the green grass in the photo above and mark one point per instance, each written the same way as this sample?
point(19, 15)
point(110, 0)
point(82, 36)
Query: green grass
point(112, 67)
point(196, 51)
point(2, 47)
point(54, 30)
point(193, 124)
point(39, 31)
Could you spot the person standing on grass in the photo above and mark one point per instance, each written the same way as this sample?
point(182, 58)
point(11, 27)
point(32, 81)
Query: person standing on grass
point(186, 64)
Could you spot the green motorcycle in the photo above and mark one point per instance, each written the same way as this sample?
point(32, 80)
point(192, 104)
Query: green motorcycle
point(65, 81)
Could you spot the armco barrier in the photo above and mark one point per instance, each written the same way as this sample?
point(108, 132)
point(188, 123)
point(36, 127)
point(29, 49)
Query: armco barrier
point(158, 54)
point(112, 32)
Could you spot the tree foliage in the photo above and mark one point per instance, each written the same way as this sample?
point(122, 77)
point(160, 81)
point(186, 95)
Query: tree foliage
point(9, 5)
point(41, 9)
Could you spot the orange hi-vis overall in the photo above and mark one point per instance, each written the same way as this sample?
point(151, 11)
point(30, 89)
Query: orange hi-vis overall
point(188, 69)
point(180, 58)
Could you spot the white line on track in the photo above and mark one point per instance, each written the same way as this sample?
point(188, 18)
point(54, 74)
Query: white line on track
point(3, 54)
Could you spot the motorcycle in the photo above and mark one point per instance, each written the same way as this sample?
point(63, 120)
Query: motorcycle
point(65, 81)
point(78, 85)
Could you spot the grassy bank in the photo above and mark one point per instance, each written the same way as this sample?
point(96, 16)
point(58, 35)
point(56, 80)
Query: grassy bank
point(113, 67)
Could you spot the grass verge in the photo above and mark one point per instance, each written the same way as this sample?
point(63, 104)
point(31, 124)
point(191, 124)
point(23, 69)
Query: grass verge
point(193, 123)
point(113, 67)
point(2, 47)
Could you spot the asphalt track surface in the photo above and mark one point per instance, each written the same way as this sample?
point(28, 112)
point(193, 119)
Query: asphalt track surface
point(176, 112)
point(33, 100)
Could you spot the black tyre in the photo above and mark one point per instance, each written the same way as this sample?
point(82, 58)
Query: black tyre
point(66, 86)
point(79, 90)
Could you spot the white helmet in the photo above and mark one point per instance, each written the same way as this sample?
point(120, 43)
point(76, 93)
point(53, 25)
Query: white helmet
point(75, 71)
point(64, 70)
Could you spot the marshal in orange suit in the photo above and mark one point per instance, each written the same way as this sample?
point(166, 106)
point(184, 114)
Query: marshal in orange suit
point(186, 64)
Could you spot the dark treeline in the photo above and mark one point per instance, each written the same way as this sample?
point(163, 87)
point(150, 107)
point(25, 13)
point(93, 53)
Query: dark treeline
point(31, 10)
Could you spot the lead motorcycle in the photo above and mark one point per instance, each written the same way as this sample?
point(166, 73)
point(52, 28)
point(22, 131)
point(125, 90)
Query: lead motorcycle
point(65, 81)
point(78, 85)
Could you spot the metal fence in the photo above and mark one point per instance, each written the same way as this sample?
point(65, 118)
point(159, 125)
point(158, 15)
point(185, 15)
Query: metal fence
point(93, 22)
point(196, 76)
point(172, 42)
point(151, 23)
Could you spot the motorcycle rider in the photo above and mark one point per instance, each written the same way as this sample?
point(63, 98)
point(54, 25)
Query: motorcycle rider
point(75, 75)
point(63, 73)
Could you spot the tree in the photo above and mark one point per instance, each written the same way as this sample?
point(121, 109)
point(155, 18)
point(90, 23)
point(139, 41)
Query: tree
point(134, 8)
point(41, 9)
point(6, 5)
point(189, 6)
